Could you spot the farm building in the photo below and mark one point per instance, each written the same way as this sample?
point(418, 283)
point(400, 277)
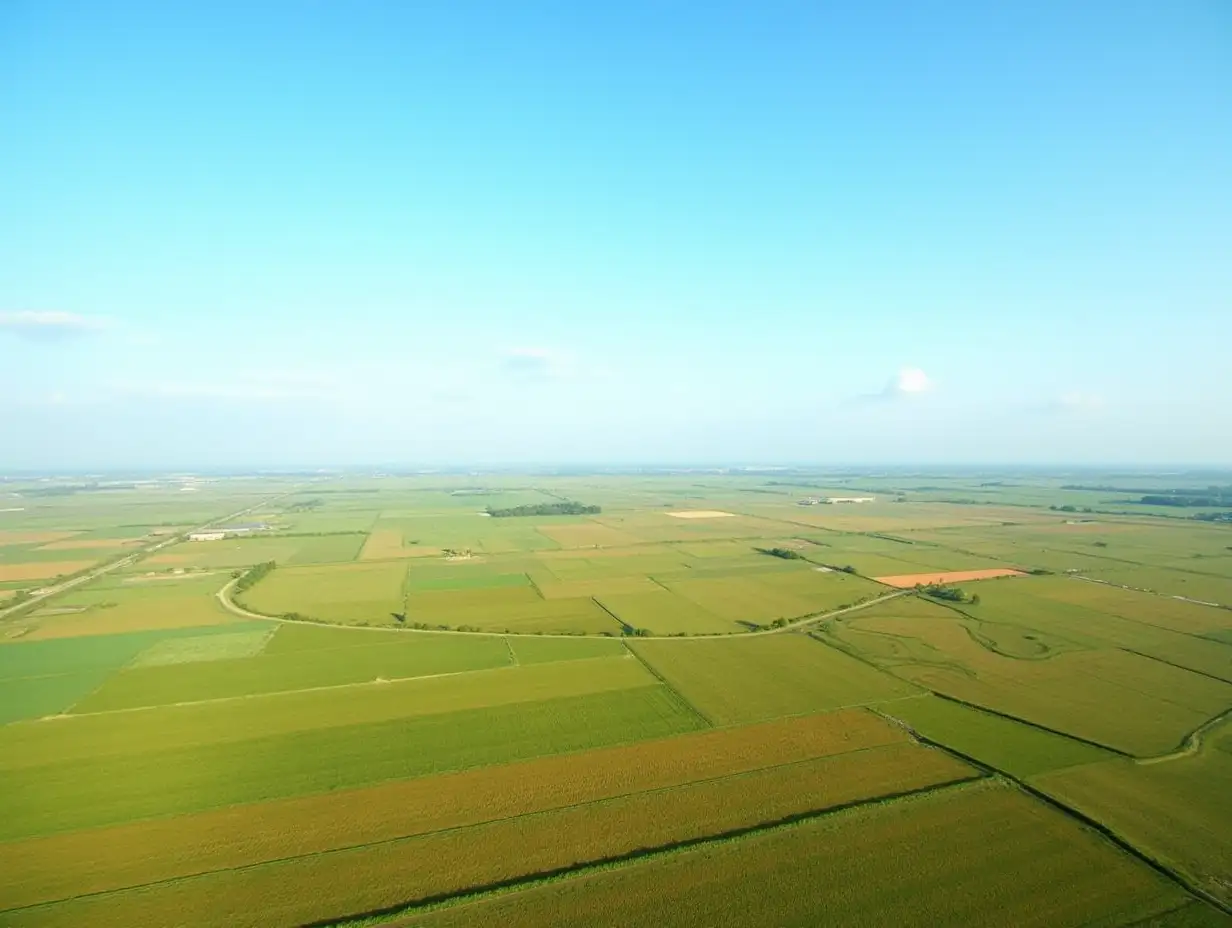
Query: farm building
point(228, 531)
point(832, 500)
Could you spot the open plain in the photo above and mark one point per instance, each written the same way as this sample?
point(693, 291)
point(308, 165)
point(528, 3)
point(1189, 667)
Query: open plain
point(448, 699)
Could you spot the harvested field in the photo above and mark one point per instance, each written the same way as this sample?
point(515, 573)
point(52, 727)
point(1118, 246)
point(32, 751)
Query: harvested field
point(45, 869)
point(747, 680)
point(701, 514)
point(42, 570)
point(296, 891)
point(904, 581)
point(978, 855)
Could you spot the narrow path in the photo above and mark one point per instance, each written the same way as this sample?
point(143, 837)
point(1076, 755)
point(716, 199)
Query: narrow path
point(1192, 743)
point(1138, 589)
point(130, 559)
point(224, 598)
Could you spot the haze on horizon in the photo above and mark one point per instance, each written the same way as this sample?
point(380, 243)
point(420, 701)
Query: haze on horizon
point(283, 233)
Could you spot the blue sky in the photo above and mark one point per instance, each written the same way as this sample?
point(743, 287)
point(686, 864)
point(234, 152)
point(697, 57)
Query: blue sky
point(323, 233)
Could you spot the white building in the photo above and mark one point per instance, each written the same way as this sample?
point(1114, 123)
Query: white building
point(832, 500)
point(206, 536)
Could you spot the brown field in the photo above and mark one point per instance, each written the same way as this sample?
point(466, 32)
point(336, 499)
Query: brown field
point(905, 581)
point(43, 869)
point(702, 514)
point(42, 570)
point(302, 889)
point(14, 536)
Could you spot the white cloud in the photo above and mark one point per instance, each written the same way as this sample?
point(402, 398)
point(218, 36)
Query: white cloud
point(908, 382)
point(49, 325)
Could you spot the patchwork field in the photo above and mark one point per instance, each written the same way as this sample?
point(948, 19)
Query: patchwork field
point(767, 677)
point(437, 700)
point(923, 861)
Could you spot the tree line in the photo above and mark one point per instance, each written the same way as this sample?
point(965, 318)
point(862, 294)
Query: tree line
point(566, 508)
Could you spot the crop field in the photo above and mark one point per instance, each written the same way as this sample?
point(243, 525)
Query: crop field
point(838, 757)
point(1141, 705)
point(1177, 810)
point(1001, 743)
point(415, 710)
point(922, 861)
point(767, 677)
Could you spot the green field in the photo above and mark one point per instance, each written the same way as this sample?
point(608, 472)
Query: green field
point(1177, 810)
point(1046, 872)
point(736, 681)
point(424, 715)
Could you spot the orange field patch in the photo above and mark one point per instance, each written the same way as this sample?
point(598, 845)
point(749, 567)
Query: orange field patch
point(905, 581)
point(42, 570)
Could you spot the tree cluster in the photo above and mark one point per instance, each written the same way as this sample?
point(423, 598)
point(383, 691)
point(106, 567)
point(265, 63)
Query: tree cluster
point(566, 508)
point(949, 594)
point(1212, 497)
point(252, 575)
point(785, 553)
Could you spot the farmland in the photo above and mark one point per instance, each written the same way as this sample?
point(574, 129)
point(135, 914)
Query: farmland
point(372, 699)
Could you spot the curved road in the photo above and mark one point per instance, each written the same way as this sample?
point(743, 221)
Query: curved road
point(128, 559)
point(224, 598)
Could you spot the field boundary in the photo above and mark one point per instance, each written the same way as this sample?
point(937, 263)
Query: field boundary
point(472, 894)
point(224, 597)
point(1106, 832)
point(597, 801)
point(126, 559)
point(653, 671)
point(1191, 744)
point(1021, 721)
